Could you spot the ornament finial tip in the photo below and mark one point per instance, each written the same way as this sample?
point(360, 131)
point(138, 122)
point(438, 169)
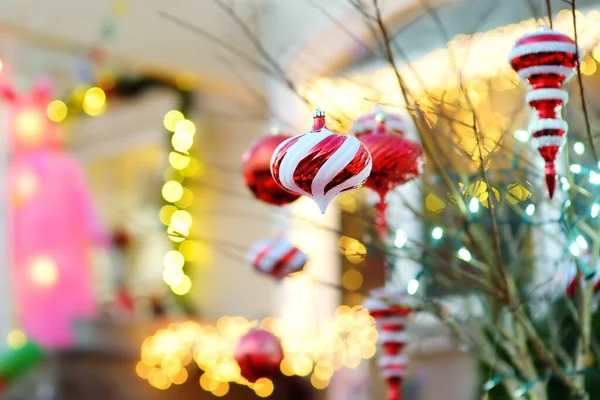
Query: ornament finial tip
point(318, 113)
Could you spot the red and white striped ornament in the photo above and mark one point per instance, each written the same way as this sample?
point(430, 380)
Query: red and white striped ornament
point(367, 123)
point(276, 257)
point(391, 308)
point(546, 59)
point(321, 164)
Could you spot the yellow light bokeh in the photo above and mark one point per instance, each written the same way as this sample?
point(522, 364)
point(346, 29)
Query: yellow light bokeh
point(178, 160)
point(221, 390)
point(142, 369)
point(94, 98)
point(57, 110)
point(94, 112)
point(318, 383)
point(173, 276)
point(166, 212)
point(190, 250)
point(181, 218)
point(172, 191)
point(207, 383)
point(183, 287)
point(185, 125)
point(159, 379)
point(186, 200)
point(263, 387)
point(173, 259)
point(352, 280)
point(182, 140)
point(16, 339)
point(171, 119)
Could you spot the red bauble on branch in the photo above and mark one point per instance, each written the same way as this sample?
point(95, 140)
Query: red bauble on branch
point(277, 257)
point(257, 171)
point(546, 59)
point(396, 160)
point(391, 308)
point(258, 354)
point(321, 164)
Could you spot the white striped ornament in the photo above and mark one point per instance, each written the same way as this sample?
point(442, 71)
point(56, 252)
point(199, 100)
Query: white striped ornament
point(314, 161)
point(277, 257)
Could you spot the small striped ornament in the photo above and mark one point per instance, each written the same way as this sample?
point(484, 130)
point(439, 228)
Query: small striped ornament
point(367, 123)
point(276, 257)
point(321, 164)
point(546, 59)
point(391, 308)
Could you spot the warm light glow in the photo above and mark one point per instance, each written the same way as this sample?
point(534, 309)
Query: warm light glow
point(182, 140)
point(171, 119)
point(172, 191)
point(178, 160)
point(401, 238)
point(43, 271)
point(26, 186)
point(181, 218)
point(166, 212)
point(190, 250)
point(29, 127)
point(186, 200)
point(437, 233)
point(413, 286)
point(173, 259)
point(185, 125)
point(57, 111)
point(464, 254)
point(16, 339)
point(221, 389)
point(183, 287)
point(352, 280)
point(94, 112)
point(342, 342)
point(94, 98)
point(263, 387)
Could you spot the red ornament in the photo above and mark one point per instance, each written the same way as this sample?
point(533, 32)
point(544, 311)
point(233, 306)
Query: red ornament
point(257, 171)
point(396, 161)
point(277, 257)
point(390, 309)
point(321, 164)
point(367, 123)
point(572, 276)
point(258, 354)
point(546, 59)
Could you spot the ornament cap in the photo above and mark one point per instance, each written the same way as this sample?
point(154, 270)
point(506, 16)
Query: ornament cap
point(318, 119)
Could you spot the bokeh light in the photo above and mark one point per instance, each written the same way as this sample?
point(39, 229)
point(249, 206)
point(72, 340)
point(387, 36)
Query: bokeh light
point(57, 111)
point(171, 119)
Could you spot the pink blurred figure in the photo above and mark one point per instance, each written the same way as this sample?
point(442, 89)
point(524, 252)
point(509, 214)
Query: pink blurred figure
point(52, 224)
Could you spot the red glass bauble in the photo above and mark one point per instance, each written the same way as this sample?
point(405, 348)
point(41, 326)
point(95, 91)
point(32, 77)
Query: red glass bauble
point(545, 58)
point(396, 160)
point(257, 171)
point(258, 354)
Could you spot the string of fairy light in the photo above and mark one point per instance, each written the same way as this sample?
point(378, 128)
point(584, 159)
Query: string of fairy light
point(178, 199)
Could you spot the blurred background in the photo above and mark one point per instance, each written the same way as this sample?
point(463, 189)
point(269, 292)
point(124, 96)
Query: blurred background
point(126, 223)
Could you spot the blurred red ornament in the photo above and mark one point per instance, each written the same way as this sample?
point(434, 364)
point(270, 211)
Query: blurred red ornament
point(320, 164)
point(277, 257)
point(546, 59)
point(257, 171)
point(391, 308)
point(258, 354)
point(396, 161)
point(366, 123)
